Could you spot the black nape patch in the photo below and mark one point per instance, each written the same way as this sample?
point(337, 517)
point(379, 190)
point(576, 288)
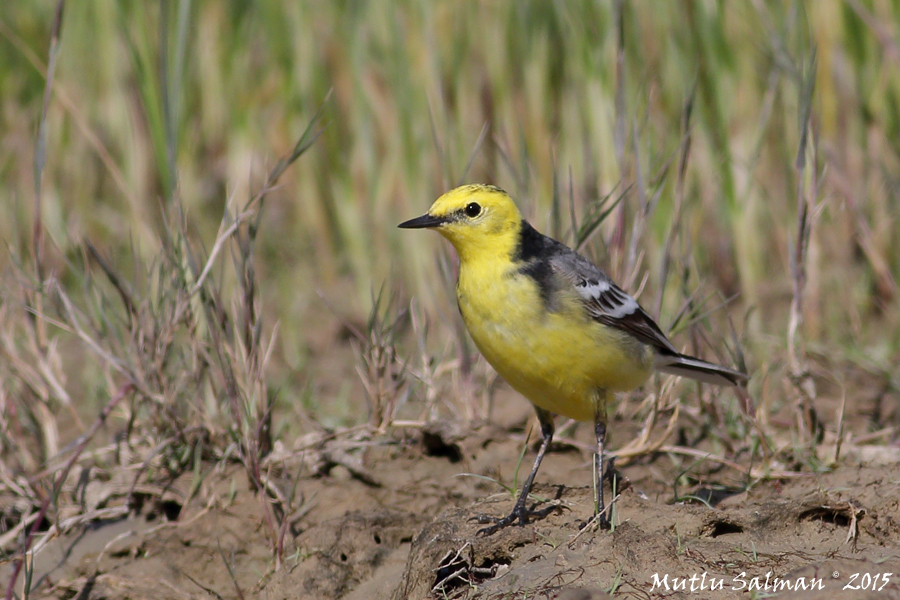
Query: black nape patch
point(534, 250)
point(533, 244)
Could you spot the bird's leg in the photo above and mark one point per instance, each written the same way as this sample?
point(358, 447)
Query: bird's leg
point(520, 512)
point(600, 432)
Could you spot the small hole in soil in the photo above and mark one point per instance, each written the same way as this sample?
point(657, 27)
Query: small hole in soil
point(436, 445)
point(377, 539)
point(136, 503)
point(725, 528)
point(42, 525)
point(171, 509)
point(343, 557)
point(455, 570)
point(489, 569)
point(825, 514)
point(122, 553)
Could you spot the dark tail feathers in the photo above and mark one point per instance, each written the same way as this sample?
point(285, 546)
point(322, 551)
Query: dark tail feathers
point(700, 370)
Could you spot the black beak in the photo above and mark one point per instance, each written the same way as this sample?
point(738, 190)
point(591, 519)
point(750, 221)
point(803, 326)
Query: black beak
point(422, 222)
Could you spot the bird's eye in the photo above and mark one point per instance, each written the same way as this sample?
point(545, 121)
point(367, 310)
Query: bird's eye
point(473, 209)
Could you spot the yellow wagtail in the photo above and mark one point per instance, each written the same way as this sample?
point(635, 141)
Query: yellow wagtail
point(553, 325)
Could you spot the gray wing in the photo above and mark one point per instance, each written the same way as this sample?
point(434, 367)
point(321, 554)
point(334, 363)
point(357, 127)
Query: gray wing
point(555, 267)
point(607, 303)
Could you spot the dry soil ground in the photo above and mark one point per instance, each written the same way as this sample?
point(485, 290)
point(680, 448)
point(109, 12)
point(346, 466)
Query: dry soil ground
point(400, 528)
point(393, 520)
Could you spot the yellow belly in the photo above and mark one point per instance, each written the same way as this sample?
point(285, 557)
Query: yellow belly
point(562, 361)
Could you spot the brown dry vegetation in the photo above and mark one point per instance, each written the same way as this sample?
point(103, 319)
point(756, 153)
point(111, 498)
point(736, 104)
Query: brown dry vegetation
point(225, 373)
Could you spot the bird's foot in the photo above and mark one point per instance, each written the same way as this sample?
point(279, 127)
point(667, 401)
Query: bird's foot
point(617, 481)
point(599, 521)
point(520, 513)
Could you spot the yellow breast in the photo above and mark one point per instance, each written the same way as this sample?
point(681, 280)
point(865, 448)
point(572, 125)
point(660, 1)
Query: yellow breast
point(561, 360)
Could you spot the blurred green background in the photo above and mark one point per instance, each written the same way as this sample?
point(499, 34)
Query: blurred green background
point(560, 103)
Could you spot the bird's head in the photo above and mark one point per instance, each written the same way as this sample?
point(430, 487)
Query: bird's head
point(477, 219)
